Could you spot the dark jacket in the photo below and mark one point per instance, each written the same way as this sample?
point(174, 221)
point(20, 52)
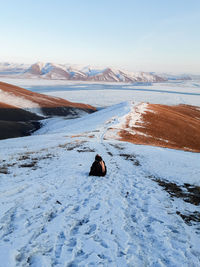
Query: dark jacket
point(96, 169)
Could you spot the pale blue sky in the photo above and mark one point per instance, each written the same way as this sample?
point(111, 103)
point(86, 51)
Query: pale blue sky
point(149, 35)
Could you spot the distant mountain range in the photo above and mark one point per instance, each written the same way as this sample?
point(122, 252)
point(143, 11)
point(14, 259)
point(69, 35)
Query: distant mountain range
point(68, 72)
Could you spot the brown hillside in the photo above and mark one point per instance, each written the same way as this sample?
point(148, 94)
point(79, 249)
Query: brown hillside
point(175, 127)
point(16, 122)
point(43, 100)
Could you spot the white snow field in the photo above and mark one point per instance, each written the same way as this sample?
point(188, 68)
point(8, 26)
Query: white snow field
point(53, 214)
point(107, 94)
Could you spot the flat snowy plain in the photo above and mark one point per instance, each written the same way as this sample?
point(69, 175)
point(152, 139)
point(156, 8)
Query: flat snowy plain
point(107, 94)
point(140, 214)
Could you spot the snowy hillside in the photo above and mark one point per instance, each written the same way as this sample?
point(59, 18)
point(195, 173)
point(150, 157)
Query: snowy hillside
point(144, 212)
point(39, 103)
point(149, 124)
point(75, 73)
point(20, 110)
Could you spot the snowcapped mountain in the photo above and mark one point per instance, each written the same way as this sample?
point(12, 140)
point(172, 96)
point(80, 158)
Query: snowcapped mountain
point(55, 71)
point(66, 72)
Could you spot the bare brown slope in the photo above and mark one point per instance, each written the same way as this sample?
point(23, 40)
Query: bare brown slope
point(175, 127)
point(44, 101)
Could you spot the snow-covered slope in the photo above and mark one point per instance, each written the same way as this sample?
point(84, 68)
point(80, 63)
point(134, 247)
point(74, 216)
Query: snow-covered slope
point(66, 72)
point(145, 212)
point(150, 124)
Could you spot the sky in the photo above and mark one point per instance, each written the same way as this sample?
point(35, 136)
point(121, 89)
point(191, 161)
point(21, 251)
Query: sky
point(137, 35)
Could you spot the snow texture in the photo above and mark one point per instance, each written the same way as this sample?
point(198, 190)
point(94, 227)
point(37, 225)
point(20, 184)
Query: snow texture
point(53, 214)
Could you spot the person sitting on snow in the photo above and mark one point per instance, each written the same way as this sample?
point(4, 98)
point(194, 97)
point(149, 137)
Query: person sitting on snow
point(98, 167)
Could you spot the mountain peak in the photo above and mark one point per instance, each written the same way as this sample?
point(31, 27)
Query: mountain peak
point(51, 70)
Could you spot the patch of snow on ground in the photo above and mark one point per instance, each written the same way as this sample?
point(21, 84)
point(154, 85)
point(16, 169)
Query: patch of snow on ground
point(132, 117)
point(136, 114)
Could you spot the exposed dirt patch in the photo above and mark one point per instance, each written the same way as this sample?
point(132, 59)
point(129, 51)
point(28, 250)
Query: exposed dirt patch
point(24, 157)
point(188, 193)
point(28, 165)
point(77, 135)
point(83, 135)
point(31, 159)
point(4, 170)
point(190, 217)
point(91, 136)
point(132, 158)
point(117, 146)
point(72, 146)
point(85, 149)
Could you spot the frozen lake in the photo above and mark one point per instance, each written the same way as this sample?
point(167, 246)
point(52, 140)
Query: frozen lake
point(106, 94)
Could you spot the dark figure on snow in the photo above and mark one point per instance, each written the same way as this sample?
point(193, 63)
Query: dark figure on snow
point(98, 167)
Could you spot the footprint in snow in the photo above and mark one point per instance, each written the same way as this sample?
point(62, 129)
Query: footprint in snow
point(59, 244)
point(87, 188)
point(76, 209)
point(72, 243)
point(86, 200)
point(78, 224)
point(97, 207)
point(91, 229)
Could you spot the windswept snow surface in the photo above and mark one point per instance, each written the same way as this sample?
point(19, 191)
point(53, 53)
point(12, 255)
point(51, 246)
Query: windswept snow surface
point(101, 94)
point(53, 214)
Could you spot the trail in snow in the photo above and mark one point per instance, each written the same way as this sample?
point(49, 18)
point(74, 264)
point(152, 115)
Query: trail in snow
point(54, 214)
point(97, 223)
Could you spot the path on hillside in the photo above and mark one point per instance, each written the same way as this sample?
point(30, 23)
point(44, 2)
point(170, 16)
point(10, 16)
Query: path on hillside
point(56, 215)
